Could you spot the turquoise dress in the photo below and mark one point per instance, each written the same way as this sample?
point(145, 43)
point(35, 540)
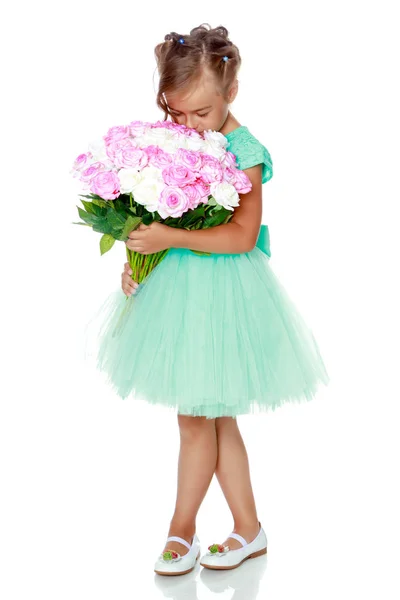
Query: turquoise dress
point(211, 335)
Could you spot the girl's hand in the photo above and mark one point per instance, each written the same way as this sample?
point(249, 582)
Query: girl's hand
point(129, 286)
point(148, 239)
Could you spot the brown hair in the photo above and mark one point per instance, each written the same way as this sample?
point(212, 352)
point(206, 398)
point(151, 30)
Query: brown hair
point(182, 58)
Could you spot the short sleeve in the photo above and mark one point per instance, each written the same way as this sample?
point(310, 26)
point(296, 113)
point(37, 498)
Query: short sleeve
point(250, 152)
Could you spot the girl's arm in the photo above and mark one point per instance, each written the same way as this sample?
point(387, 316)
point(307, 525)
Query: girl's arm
point(239, 235)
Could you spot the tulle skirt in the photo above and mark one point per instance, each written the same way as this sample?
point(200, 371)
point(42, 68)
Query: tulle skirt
point(209, 336)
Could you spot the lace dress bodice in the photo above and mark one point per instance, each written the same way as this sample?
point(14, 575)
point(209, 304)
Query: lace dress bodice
point(249, 151)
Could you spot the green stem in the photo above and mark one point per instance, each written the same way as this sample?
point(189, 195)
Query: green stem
point(143, 264)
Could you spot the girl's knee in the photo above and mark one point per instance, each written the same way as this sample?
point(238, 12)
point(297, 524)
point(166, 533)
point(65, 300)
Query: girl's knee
point(225, 422)
point(192, 426)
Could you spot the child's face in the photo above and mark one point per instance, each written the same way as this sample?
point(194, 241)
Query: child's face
point(199, 107)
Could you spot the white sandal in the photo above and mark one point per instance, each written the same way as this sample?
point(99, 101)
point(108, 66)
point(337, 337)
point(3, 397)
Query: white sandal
point(172, 563)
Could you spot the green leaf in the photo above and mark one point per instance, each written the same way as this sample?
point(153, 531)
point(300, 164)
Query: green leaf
point(172, 221)
point(211, 201)
point(99, 211)
point(200, 253)
point(101, 203)
point(148, 219)
point(217, 219)
point(102, 225)
point(200, 211)
point(80, 223)
point(130, 224)
point(228, 217)
point(94, 197)
point(90, 196)
point(192, 216)
point(141, 210)
point(87, 217)
point(106, 243)
point(115, 219)
point(88, 206)
point(120, 206)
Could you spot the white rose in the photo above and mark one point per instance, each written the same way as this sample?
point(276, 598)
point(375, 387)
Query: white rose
point(154, 137)
point(129, 178)
point(195, 143)
point(215, 137)
point(173, 142)
point(148, 188)
point(98, 149)
point(214, 150)
point(225, 194)
point(215, 144)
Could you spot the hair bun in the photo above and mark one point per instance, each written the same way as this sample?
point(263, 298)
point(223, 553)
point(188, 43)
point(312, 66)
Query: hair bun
point(208, 34)
point(222, 31)
point(173, 36)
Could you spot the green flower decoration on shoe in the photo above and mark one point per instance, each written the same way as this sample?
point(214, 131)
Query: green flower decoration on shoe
point(218, 549)
point(169, 555)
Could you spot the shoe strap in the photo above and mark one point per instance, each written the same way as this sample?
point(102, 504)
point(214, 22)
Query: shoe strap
point(175, 538)
point(241, 539)
point(238, 537)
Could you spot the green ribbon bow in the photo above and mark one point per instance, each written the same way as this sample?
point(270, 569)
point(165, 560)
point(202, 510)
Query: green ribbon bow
point(263, 241)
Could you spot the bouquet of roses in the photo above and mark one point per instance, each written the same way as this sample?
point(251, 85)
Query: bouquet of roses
point(163, 171)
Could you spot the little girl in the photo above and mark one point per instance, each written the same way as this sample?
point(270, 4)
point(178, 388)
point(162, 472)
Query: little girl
point(213, 335)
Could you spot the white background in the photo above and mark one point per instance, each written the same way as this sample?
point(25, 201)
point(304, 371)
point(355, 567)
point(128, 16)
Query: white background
point(85, 480)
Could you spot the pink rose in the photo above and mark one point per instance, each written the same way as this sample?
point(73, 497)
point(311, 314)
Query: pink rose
point(137, 127)
point(178, 127)
point(189, 159)
point(229, 159)
point(81, 161)
point(193, 133)
point(88, 174)
point(164, 124)
point(242, 183)
point(173, 202)
point(106, 185)
point(113, 148)
point(178, 175)
point(133, 157)
point(229, 175)
point(116, 133)
point(194, 195)
point(211, 169)
point(188, 131)
point(158, 157)
point(204, 190)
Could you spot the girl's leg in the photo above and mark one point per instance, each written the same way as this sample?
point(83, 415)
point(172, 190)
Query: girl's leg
point(196, 466)
point(233, 475)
